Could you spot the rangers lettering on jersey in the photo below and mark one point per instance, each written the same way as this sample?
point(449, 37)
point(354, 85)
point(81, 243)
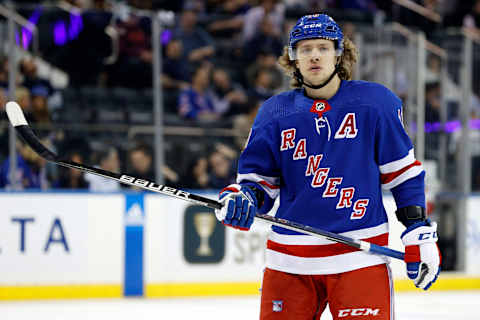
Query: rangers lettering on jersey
point(347, 129)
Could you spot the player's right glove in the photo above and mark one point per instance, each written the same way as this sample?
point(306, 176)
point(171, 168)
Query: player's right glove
point(239, 206)
point(421, 253)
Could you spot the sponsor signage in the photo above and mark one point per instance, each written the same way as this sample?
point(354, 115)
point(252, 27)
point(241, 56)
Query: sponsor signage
point(203, 236)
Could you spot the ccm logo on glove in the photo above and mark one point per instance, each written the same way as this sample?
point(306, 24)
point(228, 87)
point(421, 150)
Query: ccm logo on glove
point(427, 235)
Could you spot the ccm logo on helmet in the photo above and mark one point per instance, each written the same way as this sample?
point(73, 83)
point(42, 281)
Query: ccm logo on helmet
point(316, 25)
point(358, 312)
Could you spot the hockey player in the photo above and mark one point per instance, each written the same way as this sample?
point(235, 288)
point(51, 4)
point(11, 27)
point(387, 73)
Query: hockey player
point(327, 148)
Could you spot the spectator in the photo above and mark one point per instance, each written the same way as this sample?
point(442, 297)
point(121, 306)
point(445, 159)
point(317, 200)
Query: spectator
point(108, 160)
point(24, 173)
point(175, 73)
point(135, 56)
point(471, 21)
point(70, 178)
point(197, 102)
point(450, 90)
point(197, 43)
point(196, 176)
point(221, 162)
point(230, 15)
point(140, 161)
point(265, 60)
point(274, 9)
point(38, 165)
point(141, 165)
point(88, 29)
point(266, 40)
point(227, 96)
point(28, 68)
point(40, 111)
point(262, 87)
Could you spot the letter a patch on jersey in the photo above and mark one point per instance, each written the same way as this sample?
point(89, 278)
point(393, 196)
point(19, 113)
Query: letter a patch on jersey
point(348, 128)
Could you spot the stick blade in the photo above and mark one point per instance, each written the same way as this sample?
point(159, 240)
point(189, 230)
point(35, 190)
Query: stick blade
point(15, 114)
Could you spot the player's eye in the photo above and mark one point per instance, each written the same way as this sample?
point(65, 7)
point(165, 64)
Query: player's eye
point(305, 50)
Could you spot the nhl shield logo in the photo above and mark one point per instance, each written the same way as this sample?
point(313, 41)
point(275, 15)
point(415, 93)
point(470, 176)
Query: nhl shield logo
point(319, 106)
point(277, 305)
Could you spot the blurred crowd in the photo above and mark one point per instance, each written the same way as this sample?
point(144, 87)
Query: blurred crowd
point(219, 63)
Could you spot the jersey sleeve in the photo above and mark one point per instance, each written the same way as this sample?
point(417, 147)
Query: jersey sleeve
point(394, 149)
point(258, 162)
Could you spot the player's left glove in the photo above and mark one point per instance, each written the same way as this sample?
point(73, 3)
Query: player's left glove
point(421, 253)
point(239, 206)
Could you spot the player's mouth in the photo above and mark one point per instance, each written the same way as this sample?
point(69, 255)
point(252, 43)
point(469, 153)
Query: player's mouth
point(315, 69)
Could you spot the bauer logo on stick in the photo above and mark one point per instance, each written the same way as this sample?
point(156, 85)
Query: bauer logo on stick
point(153, 186)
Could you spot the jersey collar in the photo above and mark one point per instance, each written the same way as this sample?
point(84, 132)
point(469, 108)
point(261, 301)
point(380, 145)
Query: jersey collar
point(302, 99)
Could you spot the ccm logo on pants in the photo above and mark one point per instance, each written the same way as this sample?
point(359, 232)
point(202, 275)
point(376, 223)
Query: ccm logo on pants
point(358, 312)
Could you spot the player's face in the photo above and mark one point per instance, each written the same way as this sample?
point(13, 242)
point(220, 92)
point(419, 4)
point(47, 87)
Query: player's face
point(316, 59)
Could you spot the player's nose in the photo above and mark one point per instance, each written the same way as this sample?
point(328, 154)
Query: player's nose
point(316, 54)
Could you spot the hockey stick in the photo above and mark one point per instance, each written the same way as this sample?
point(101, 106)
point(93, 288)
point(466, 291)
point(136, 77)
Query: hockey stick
point(17, 119)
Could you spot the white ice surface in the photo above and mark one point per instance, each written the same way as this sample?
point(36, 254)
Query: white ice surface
point(409, 306)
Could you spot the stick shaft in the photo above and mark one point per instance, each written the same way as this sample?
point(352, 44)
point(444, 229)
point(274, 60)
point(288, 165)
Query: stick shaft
point(32, 140)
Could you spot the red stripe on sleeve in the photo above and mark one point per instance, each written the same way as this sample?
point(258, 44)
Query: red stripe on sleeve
point(386, 178)
point(268, 185)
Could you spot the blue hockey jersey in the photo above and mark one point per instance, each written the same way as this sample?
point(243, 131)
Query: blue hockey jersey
point(328, 160)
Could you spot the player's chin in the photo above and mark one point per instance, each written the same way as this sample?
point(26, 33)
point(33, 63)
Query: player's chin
point(316, 80)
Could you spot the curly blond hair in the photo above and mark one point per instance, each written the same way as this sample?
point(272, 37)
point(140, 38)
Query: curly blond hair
point(347, 62)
